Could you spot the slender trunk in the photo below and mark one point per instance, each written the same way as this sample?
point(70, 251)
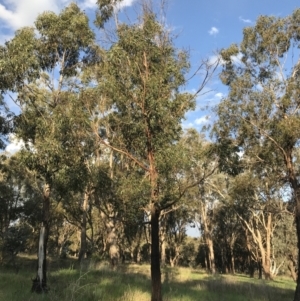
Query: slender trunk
point(112, 240)
point(251, 262)
point(155, 262)
point(39, 284)
point(263, 245)
point(162, 231)
point(224, 260)
point(292, 266)
point(163, 251)
point(83, 243)
point(211, 255)
point(296, 190)
point(264, 262)
point(156, 294)
point(251, 267)
point(259, 270)
point(232, 261)
point(231, 253)
point(267, 268)
point(206, 259)
point(174, 260)
point(208, 239)
point(138, 255)
point(297, 199)
point(265, 251)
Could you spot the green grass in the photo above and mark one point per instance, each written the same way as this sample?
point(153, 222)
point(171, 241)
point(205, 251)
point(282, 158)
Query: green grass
point(69, 282)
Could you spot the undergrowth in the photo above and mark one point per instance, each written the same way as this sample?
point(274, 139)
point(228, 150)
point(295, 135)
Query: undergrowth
point(94, 282)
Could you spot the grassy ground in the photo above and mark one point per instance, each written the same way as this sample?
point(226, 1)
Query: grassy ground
point(92, 282)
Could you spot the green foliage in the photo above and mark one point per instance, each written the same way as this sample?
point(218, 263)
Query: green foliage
point(144, 92)
point(105, 11)
point(261, 107)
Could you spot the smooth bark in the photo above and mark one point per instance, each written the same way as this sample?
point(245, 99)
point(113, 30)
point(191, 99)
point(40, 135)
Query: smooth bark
point(39, 284)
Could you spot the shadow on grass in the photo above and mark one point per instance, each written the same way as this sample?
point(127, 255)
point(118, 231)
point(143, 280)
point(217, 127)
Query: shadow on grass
point(216, 288)
point(69, 281)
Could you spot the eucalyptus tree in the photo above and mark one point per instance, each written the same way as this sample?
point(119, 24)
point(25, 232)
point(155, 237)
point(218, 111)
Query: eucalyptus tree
point(42, 65)
point(200, 166)
point(141, 75)
point(260, 115)
point(227, 231)
point(259, 206)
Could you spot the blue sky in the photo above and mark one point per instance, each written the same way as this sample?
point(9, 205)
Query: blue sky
point(203, 28)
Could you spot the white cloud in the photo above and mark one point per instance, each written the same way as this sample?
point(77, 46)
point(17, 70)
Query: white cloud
point(125, 3)
point(237, 59)
point(202, 120)
point(187, 125)
point(18, 13)
point(15, 13)
point(14, 145)
point(219, 95)
point(245, 20)
point(214, 59)
point(88, 4)
point(213, 31)
point(92, 4)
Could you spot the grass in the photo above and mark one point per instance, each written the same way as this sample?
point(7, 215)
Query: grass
point(92, 282)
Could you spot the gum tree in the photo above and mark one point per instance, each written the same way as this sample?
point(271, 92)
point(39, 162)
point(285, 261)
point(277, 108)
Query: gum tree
point(141, 77)
point(41, 65)
point(260, 116)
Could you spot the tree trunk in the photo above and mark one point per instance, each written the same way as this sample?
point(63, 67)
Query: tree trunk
point(263, 245)
point(39, 284)
point(231, 259)
point(155, 262)
point(292, 267)
point(297, 195)
point(163, 240)
point(112, 243)
point(206, 259)
point(174, 260)
point(251, 268)
point(208, 239)
point(259, 269)
point(138, 255)
point(83, 243)
point(267, 269)
point(163, 251)
point(211, 255)
point(296, 191)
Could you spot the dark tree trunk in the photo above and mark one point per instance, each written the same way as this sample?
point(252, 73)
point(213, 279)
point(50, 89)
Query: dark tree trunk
point(259, 270)
point(251, 268)
point(155, 255)
point(296, 189)
point(297, 292)
point(39, 284)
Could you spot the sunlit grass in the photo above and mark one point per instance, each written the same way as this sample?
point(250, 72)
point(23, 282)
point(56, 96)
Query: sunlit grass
point(68, 281)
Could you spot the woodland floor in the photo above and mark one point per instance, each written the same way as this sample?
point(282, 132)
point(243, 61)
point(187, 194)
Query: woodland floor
point(97, 282)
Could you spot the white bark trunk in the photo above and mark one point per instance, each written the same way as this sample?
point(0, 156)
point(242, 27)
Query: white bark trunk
point(41, 254)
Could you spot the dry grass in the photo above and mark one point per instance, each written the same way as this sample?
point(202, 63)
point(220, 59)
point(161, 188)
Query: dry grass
point(97, 282)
